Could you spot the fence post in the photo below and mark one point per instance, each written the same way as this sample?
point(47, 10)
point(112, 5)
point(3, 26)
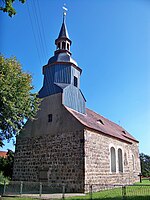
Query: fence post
point(90, 192)
point(63, 192)
point(40, 189)
point(124, 192)
point(4, 190)
point(21, 186)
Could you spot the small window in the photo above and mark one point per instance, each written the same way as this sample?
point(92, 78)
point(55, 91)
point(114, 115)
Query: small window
point(100, 121)
point(123, 132)
point(75, 81)
point(63, 45)
point(68, 46)
point(59, 45)
point(50, 118)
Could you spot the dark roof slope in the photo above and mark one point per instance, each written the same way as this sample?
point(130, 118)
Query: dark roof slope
point(97, 122)
point(62, 57)
point(63, 31)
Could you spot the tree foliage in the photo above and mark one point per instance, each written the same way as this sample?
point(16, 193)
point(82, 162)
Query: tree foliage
point(8, 6)
point(17, 103)
point(145, 164)
point(6, 164)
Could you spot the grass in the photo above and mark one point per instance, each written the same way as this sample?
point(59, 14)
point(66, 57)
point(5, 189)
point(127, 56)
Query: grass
point(144, 182)
point(107, 194)
point(132, 193)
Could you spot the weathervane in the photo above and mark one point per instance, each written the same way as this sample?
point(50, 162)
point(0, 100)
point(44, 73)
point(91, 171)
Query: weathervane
point(64, 11)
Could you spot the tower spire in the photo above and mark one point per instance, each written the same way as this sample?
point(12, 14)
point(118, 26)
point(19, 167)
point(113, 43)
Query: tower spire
point(63, 42)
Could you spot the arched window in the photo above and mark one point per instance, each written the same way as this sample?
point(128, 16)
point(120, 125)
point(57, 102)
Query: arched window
point(58, 45)
point(75, 81)
point(133, 162)
point(68, 46)
point(113, 159)
point(63, 45)
point(120, 161)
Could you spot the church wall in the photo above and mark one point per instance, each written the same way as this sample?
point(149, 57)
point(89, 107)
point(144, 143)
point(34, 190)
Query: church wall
point(55, 159)
point(98, 164)
point(62, 120)
point(51, 151)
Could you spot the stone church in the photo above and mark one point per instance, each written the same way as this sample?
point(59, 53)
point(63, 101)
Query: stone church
point(67, 142)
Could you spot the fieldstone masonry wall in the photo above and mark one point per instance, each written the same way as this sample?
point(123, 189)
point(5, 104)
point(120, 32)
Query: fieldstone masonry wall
point(57, 158)
point(75, 158)
point(97, 160)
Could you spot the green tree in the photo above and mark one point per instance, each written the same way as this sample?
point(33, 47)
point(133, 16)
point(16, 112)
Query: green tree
point(17, 103)
point(6, 164)
point(145, 164)
point(8, 6)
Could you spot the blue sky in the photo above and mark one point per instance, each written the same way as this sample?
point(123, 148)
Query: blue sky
point(111, 43)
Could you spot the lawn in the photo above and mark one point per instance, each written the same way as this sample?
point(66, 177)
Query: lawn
point(132, 193)
point(144, 182)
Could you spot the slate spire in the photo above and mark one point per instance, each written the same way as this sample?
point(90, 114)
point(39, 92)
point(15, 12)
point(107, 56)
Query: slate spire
point(63, 31)
point(63, 42)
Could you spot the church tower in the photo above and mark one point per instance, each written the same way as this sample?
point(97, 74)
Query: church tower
point(62, 74)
